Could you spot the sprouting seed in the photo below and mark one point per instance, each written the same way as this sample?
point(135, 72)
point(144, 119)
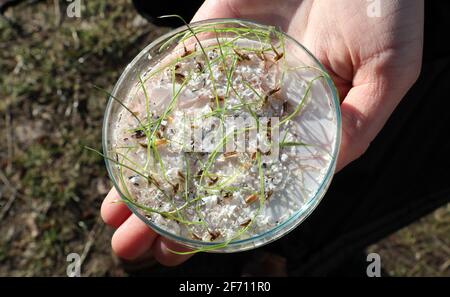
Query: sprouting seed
point(212, 54)
point(285, 107)
point(181, 175)
point(195, 236)
point(199, 66)
point(214, 234)
point(251, 198)
point(229, 155)
point(261, 56)
point(246, 165)
point(160, 141)
point(278, 55)
point(227, 195)
point(241, 56)
point(273, 91)
point(186, 52)
point(221, 68)
point(213, 180)
point(270, 93)
point(269, 129)
point(219, 98)
point(245, 223)
point(179, 77)
point(152, 180)
point(138, 134)
point(176, 187)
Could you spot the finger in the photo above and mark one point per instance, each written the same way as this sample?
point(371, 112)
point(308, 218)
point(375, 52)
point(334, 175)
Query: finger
point(214, 9)
point(162, 253)
point(113, 211)
point(365, 110)
point(132, 239)
point(356, 136)
point(264, 11)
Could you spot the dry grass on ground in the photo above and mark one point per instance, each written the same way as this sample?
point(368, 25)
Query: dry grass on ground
point(51, 188)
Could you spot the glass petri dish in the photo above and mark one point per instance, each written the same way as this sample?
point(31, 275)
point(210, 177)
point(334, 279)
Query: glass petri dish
point(314, 116)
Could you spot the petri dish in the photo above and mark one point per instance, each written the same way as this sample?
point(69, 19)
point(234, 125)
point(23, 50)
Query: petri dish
point(222, 135)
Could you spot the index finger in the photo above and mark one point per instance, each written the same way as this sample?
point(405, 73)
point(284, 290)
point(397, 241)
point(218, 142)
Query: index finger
point(113, 211)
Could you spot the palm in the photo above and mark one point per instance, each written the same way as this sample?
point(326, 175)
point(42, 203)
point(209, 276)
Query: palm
point(373, 61)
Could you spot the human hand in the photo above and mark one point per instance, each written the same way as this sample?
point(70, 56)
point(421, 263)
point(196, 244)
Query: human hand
point(373, 62)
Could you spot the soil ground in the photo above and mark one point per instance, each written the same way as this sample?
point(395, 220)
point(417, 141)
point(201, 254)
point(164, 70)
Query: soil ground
point(51, 187)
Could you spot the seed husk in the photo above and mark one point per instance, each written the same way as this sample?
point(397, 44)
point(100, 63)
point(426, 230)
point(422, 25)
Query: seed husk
point(214, 234)
point(229, 155)
point(245, 223)
point(181, 175)
point(213, 180)
point(269, 194)
point(261, 56)
point(199, 66)
point(179, 77)
point(152, 180)
point(271, 92)
point(138, 134)
point(246, 165)
point(251, 198)
point(241, 56)
point(285, 107)
point(176, 187)
point(278, 55)
point(227, 195)
point(186, 52)
point(161, 141)
point(195, 236)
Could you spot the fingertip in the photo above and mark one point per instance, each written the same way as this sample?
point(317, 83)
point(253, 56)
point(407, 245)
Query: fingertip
point(132, 239)
point(113, 211)
point(214, 9)
point(162, 251)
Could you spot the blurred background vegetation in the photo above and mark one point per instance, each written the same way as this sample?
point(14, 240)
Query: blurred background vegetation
point(51, 188)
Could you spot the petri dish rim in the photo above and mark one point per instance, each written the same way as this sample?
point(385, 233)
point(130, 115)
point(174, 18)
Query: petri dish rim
point(272, 234)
